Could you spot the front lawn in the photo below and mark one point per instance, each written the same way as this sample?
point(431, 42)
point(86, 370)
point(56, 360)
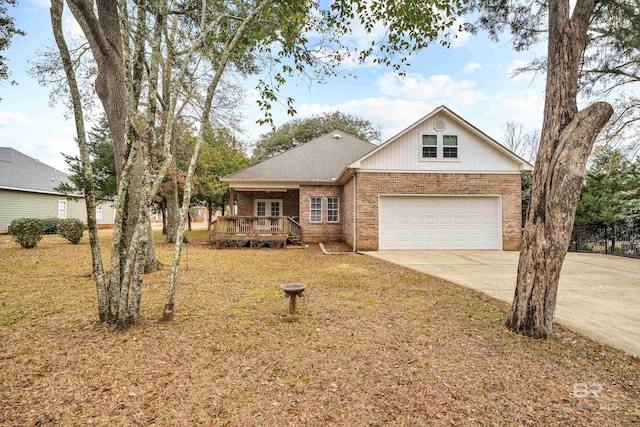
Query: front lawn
point(374, 344)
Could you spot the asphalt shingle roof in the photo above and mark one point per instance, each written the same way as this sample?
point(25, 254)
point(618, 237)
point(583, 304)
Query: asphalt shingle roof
point(19, 171)
point(322, 159)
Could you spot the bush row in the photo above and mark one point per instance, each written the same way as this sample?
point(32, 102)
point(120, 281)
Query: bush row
point(29, 231)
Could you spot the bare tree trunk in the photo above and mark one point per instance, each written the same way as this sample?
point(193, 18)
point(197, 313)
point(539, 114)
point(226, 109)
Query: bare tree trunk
point(57, 7)
point(209, 215)
point(566, 141)
point(173, 212)
point(163, 211)
point(204, 124)
point(103, 31)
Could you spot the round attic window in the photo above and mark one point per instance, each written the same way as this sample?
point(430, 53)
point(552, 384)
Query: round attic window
point(439, 125)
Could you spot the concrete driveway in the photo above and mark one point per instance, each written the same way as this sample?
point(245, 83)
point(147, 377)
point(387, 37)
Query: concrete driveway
point(598, 295)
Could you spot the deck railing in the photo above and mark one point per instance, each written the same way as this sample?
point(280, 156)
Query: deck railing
point(257, 225)
point(295, 229)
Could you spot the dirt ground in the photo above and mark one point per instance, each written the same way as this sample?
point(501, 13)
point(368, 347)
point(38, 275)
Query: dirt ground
point(373, 344)
point(337, 247)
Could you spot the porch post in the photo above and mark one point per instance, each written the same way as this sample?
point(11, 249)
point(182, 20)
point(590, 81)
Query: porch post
point(232, 195)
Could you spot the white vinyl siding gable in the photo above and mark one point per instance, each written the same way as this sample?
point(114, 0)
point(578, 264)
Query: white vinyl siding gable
point(23, 204)
point(473, 153)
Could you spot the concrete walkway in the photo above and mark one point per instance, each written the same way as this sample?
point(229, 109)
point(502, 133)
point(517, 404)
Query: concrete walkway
point(598, 295)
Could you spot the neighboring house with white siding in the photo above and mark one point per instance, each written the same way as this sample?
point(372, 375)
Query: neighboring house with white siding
point(27, 190)
point(439, 184)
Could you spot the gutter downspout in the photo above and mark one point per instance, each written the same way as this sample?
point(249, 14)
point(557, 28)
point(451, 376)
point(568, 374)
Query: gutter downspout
point(355, 236)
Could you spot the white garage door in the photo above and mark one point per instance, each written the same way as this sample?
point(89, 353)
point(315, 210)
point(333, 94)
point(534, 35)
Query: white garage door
point(430, 222)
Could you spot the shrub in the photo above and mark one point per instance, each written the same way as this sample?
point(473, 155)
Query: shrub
point(27, 231)
point(51, 225)
point(71, 229)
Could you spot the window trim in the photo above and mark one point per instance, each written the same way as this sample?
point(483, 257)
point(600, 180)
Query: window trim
point(440, 149)
point(267, 206)
point(336, 209)
point(456, 146)
point(312, 209)
point(423, 146)
point(64, 212)
point(99, 211)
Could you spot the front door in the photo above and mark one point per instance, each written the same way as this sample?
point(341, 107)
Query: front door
point(268, 208)
point(263, 207)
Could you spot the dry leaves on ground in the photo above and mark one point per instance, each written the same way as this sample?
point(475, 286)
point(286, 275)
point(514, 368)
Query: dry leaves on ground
point(373, 344)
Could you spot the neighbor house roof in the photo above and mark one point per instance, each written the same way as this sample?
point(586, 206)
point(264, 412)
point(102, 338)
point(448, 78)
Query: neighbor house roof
point(21, 172)
point(323, 159)
point(524, 165)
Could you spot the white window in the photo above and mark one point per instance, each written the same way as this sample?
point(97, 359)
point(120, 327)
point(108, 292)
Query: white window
point(99, 212)
point(62, 209)
point(261, 208)
point(429, 146)
point(450, 147)
point(268, 207)
point(333, 209)
point(316, 209)
point(275, 209)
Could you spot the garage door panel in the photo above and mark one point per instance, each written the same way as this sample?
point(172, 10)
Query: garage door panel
point(431, 222)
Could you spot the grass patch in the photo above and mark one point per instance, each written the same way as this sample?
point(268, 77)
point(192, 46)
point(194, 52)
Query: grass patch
point(372, 344)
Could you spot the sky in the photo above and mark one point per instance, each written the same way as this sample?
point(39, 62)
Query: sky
point(472, 78)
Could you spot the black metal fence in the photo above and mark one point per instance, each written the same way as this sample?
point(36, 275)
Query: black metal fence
point(622, 240)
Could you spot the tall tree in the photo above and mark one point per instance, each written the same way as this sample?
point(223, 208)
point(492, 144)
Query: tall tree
point(221, 155)
point(566, 140)
point(7, 31)
point(611, 190)
point(610, 64)
point(523, 143)
point(145, 91)
point(299, 131)
point(102, 161)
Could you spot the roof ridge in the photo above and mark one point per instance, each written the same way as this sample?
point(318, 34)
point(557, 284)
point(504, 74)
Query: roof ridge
point(296, 147)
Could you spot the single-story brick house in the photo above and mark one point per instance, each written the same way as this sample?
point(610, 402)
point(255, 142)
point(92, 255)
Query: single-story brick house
point(27, 190)
point(439, 184)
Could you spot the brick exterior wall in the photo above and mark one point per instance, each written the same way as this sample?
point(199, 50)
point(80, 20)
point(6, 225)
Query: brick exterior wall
point(323, 231)
point(371, 185)
point(290, 206)
point(347, 210)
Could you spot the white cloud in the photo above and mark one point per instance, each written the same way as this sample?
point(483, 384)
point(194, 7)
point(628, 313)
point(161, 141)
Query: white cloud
point(391, 115)
point(440, 88)
point(460, 36)
point(471, 67)
point(9, 118)
point(72, 28)
point(523, 105)
point(517, 64)
point(42, 138)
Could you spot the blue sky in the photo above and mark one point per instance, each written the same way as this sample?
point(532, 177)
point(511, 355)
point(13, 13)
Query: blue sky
point(471, 78)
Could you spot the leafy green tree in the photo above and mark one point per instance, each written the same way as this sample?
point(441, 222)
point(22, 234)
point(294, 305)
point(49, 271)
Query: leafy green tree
point(221, 155)
point(566, 140)
point(102, 160)
point(611, 191)
point(299, 131)
point(129, 40)
point(7, 31)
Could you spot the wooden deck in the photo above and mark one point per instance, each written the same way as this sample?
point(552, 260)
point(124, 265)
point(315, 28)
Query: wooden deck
point(257, 230)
